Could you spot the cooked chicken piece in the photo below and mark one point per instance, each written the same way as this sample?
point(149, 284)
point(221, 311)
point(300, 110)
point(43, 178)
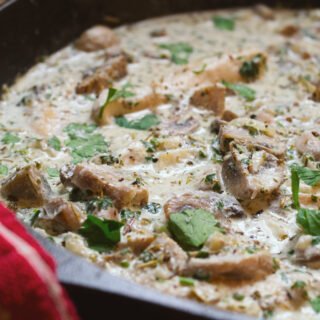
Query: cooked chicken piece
point(173, 157)
point(249, 174)
point(264, 12)
point(246, 131)
point(102, 78)
point(289, 30)
point(139, 241)
point(143, 98)
point(96, 38)
point(307, 253)
point(168, 251)
point(309, 143)
point(227, 69)
point(59, 216)
point(221, 205)
point(254, 266)
point(180, 127)
point(316, 93)
point(209, 97)
point(133, 154)
point(27, 187)
point(105, 180)
point(230, 113)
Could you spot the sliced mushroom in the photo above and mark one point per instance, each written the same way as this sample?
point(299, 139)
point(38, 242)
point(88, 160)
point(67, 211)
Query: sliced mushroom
point(309, 143)
point(220, 204)
point(96, 38)
point(59, 216)
point(246, 131)
point(104, 180)
point(27, 187)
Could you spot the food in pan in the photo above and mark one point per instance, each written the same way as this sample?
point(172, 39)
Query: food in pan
point(180, 152)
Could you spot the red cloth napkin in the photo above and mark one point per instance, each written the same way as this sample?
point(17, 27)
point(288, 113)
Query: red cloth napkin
point(29, 288)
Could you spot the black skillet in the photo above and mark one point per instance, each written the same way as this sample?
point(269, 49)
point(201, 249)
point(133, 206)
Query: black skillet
point(30, 29)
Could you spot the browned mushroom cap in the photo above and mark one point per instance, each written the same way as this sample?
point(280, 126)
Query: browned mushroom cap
point(96, 38)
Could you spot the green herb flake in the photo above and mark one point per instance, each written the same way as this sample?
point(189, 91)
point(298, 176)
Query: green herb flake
point(242, 90)
point(10, 138)
point(223, 23)
point(192, 227)
point(53, 172)
point(101, 234)
point(309, 221)
point(186, 281)
point(237, 296)
point(144, 123)
point(295, 183)
point(202, 254)
point(298, 285)
point(180, 51)
point(201, 70)
point(153, 207)
point(54, 143)
point(315, 304)
point(125, 264)
point(95, 205)
point(3, 170)
point(34, 217)
point(250, 69)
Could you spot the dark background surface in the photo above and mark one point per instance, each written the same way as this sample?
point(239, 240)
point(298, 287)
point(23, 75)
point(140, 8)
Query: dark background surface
point(30, 29)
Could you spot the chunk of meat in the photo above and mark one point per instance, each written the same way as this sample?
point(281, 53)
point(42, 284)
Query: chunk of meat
point(96, 38)
point(246, 131)
point(103, 77)
point(209, 97)
point(289, 30)
point(309, 143)
point(139, 241)
point(143, 98)
point(226, 68)
point(220, 204)
point(316, 93)
point(306, 253)
point(104, 180)
point(27, 187)
point(59, 216)
point(238, 266)
point(249, 174)
point(168, 251)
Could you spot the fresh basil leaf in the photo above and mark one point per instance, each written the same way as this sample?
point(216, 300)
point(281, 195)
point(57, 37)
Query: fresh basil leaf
point(309, 221)
point(101, 234)
point(10, 138)
point(3, 170)
point(295, 182)
point(95, 205)
point(242, 90)
point(308, 176)
point(223, 23)
point(315, 304)
point(54, 143)
point(145, 123)
point(115, 94)
point(192, 227)
point(180, 51)
point(53, 172)
point(250, 69)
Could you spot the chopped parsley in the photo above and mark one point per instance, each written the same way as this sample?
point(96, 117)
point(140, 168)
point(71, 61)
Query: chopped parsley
point(53, 172)
point(144, 123)
point(223, 23)
point(186, 281)
point(315, 304)
point(10, 138)
point(242, 90)
point(3, 170)
point(95, 205)
point(153, 207)
point(54, 143)
point(180, 51)
point(250, 69)
point(101, 234)
point(237, 296)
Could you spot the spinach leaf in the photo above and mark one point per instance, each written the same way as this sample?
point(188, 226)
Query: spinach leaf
point(115, 94)
point(54, 143)
point(295, 182)
point(309, 220)
point(223, 23)
point(308, 176)
point(10, 138)
point(242, 90)
point(192, 227)
point(101, 234)
point(180, 51)
point(53, 172)
point(145, 123)
point(3, 170)
point(315, 304)
point(251, 69)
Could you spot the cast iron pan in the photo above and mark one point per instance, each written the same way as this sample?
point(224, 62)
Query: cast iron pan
point(30, 29)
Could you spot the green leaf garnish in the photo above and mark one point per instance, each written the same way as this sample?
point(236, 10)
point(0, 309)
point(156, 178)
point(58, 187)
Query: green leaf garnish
point(53, 172)
point(144, 123)
point(115, 94)
point(95, 205)
point(3, 170)
point(153, 207)
point(197, 72)
point(79, 129)
point(309, 220)
point(251, 69)
point(101, 234)
point(192, 227)
point(295, 183)
point(10, 138)
point(180, 51)
point(242, 90)
point(315, 304)
point(54, 143)
point(308, 176)
point(186, 281)
point(223, 23)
